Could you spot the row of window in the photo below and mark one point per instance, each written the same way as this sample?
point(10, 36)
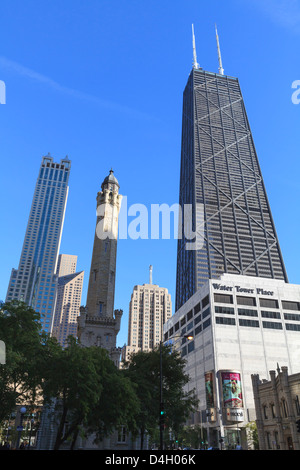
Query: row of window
point(241, 300)
point(186, 319)
point(251, 301)
point(283, 409)
point(254, 313)
point(255, 324)
point(251, 323)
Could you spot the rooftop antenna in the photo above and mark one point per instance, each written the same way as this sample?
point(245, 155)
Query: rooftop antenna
point(150, 274)
point(221, 70)
point(195, 63)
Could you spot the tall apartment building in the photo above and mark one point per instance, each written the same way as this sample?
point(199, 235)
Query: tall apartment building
point(35, 280)
point(150, 307)
point(221, 178)
point(66, 264)
point(68, 300)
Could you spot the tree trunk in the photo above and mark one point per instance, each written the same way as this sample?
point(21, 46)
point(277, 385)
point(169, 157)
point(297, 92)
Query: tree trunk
point(75, 434)
point(58, 440)
point(142, 438)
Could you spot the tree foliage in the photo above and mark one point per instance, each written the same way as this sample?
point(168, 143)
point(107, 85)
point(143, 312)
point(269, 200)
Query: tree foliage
point(82, 385)
point(144, 370)
point(90, 393)
point(20, 376)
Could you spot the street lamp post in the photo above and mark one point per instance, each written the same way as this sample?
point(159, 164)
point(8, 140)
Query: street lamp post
point(162, 410)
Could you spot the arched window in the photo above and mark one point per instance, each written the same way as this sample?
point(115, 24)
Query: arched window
point(284, 408)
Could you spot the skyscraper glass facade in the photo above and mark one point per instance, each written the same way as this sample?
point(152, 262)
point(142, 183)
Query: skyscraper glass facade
point(35, 281)
point(220, 175)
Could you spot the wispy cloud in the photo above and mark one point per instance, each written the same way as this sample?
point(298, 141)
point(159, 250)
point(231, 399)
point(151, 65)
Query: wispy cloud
point(285, 13)
point(30, 74)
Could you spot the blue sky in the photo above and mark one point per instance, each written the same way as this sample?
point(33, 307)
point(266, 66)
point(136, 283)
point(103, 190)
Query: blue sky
point(102, 80)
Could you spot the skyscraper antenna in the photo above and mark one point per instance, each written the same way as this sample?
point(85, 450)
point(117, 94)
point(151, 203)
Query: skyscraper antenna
point(221, 70)
point(195, 63)
point(150, 274)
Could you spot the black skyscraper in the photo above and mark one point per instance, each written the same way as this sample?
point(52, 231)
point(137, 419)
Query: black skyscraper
point(220, 172)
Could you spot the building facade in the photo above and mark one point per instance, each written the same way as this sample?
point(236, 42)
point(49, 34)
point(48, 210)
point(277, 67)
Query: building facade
point(35, 280)
point(66, 264)
point(150, 307)
point(68, 299)
point(221, 179)
point(278, 410)
point(241, 325)
point(99, 323)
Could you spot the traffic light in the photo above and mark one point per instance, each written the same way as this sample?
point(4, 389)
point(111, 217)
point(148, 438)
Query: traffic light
point(298, 425)
point(162, 416)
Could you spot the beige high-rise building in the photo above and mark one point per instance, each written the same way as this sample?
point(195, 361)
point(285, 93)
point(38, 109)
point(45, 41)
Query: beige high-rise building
point(66, 264)
point(68, 298)
point(150, 307)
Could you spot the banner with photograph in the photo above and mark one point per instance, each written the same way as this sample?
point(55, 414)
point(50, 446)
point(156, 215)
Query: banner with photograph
point(232, 390)
point(209, 390)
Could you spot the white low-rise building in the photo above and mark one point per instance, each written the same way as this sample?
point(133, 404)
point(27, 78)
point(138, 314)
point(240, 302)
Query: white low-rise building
point(241, 325)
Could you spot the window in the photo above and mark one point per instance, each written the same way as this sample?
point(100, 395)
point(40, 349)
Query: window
point(206, 313)
point(297, 404)
point(269, 303)
point(197, 308)
point(272, 325)
point(227, 310)
point(198, 330)
point(205, 301)
point(292, 327)
point(223, 298)
point(292, 316)
point(247, 312)
point(225, 321)
point(272, 406)
point(290, 305)
point(251, 323)
point(189, 315)
point(284, 409)
point(246, 301)
point(267, 314)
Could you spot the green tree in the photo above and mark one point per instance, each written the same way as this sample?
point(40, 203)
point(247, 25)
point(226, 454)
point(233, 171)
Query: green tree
point(20, 377)
point(144, 370)
point(252, 435)
point(192, 436)
point(89, 392)
point(118, 405)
